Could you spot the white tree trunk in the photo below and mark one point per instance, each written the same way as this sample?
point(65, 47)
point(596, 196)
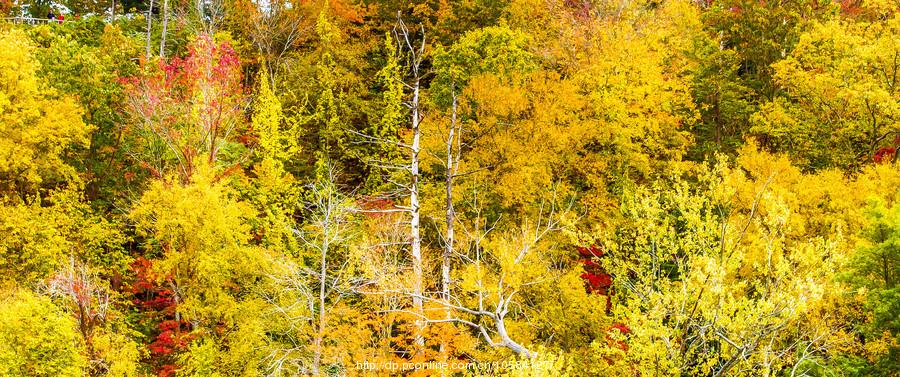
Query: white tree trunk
point(165, 24)
point(451, 215)
point(323, 270)
point(414, 223)
point(149, 26)
point(507, 342)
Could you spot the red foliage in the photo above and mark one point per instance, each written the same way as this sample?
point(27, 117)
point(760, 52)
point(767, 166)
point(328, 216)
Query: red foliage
point(248, 139)
point(147, 293)
point(884, 155)
point(6, 6)
point(599, 282)
point(590, 252)
point(595, 277)
point(192, 102)
point(156, 306)
point(621, 328)
point(172, 337)
point(851, 7)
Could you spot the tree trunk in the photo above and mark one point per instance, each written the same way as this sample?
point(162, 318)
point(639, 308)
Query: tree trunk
point(149, 25)
point(448, 242)
point(508, 342)
point(165, 24)
point(451, 218)
point(320, 333)
point(416, 239)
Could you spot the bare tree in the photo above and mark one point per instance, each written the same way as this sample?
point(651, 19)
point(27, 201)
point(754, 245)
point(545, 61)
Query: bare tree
point(293, 301)
point(485, 309)
point(276, 29)
point(200, 16)
point(413, 52)
point(416, 55)
point(87, 299)
point(452, 168)
point(327, 229)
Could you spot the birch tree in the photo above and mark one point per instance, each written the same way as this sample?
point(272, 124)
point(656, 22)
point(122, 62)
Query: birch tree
point(149, 29)
point(165, 25)
point(411, 53)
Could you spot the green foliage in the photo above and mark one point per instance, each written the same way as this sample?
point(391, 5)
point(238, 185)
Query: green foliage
point(498, 51)
point(877, 262)
point(735, 76)
point(85, 61)
point(390, 79)
point(875, 270)
point(723, 99)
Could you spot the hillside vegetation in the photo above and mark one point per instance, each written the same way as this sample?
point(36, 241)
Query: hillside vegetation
point(472, 188)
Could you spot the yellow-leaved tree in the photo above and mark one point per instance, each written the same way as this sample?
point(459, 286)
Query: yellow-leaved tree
point(201, 234)
point(729, 275)
point(59, 319)
point(841, 105)
point(37, 338)
point(37, 124)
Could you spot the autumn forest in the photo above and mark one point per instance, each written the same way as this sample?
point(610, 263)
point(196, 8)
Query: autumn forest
point(450, 188)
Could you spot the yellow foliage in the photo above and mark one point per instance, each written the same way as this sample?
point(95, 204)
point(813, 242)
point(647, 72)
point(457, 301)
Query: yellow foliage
point(38, 238)
point(729, 256)
point(38, 126)
point(37, 338)
point(202, 233)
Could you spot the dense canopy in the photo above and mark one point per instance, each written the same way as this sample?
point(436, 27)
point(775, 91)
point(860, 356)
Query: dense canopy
point(477, 187)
